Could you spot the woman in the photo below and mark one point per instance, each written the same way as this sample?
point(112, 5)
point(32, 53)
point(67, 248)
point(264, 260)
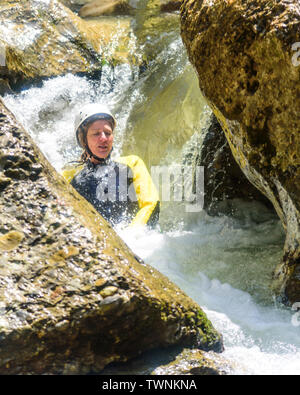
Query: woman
point(120, 189)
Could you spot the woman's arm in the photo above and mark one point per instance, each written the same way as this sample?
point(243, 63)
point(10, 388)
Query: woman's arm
point(145, 190)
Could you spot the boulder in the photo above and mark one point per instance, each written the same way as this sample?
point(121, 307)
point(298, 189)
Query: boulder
point(73, 296)
point(45, 39)
point(105, 7)
point(195, 362)
point(245, 55)
point(117, 40)
point(174, 361)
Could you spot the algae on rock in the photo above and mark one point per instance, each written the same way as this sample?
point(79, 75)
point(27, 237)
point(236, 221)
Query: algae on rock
point(46, 39)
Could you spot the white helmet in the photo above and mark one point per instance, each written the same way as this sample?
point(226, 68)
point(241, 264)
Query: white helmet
point(91, 110)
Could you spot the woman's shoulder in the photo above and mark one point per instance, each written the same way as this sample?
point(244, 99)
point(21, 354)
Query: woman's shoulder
point(129, 160)
point(71, 170)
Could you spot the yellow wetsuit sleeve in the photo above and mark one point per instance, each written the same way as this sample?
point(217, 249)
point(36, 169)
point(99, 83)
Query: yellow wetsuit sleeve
point(145, 189)
point(70, 173)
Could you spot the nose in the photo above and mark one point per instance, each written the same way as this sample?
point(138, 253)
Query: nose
point(102, 136)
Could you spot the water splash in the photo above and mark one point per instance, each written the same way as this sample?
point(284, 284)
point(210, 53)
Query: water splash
point(259, 337)
point(48, 112)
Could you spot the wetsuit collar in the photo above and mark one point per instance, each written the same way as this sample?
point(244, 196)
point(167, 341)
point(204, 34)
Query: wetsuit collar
point(102, 161)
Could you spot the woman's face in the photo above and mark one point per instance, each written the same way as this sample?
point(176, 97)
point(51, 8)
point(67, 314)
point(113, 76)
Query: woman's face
point(100, 138)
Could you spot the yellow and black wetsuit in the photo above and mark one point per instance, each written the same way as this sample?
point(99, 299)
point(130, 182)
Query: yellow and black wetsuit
point(120, 189)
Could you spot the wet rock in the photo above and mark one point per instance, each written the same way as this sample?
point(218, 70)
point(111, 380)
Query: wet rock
point(170, 5)
point(4, 85)
point(44, 39)
point(224, 182)
point(74, 5)
point(176, 361)
point(243, 53)
point(10, 240)
point(105, 7)
point(73, 297)
point(4, 181)
point(125, 7)
point(116, 38)
point(108, 291)
point(177, 123)
point(195, 362)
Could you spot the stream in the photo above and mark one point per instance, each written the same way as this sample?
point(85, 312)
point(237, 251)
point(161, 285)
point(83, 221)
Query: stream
point(224, 263)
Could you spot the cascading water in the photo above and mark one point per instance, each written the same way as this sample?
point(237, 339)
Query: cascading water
point(224, 263)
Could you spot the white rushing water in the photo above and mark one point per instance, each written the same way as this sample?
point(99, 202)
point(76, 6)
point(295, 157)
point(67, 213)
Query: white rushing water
point(205, 262)
point(47, 112)
point(224, 263)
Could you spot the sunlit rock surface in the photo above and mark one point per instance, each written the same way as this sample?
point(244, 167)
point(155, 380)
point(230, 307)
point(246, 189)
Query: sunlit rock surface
point(244, 53)
point(41, 39)
point(121, 7)
point(73, 297)
point(105, 7)
point(46, 39)
point(155, 134)
point(174, 361)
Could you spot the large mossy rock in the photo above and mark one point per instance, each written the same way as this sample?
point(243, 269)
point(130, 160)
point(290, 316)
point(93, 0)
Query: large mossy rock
point(174, 361)
point(73, 297)
point(42, 39)
point(244, 53)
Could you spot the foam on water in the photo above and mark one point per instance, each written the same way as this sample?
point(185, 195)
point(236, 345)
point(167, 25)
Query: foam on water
point(259, 337)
